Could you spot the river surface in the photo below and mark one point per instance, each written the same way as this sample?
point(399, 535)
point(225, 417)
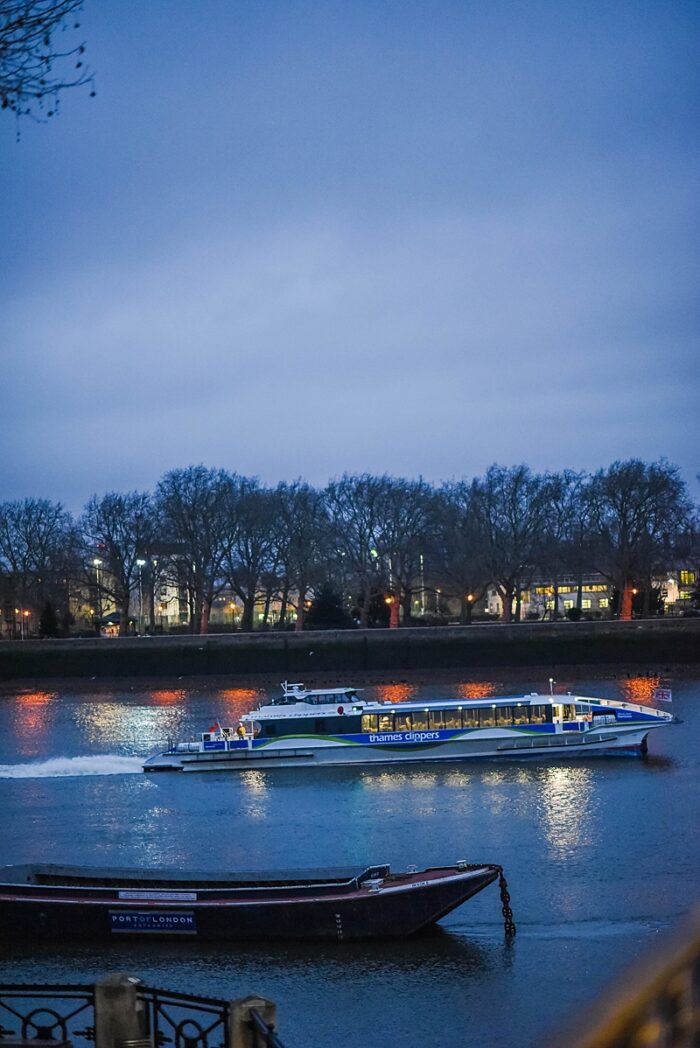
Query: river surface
point(602, 856)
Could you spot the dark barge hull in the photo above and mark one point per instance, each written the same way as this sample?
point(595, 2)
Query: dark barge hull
point(371, 903)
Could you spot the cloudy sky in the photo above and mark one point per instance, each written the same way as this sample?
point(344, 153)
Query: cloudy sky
point(298, 239)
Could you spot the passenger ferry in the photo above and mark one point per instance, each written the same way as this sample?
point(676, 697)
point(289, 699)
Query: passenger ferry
point(335, 726)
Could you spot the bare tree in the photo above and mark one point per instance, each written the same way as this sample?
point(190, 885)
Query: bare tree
point(30, 51)
point(511, 504)
point(248, 541)
point(404, 524)
point(192, 507)
point(561, 537)
point(354, 505)
point(118, 531)
point(301, 529)
point(37, 539)
point(637, 511)
point(462, 547)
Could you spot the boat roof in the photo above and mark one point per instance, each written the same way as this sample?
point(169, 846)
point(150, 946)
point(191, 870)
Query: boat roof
point(300, 708)
point(115, 876)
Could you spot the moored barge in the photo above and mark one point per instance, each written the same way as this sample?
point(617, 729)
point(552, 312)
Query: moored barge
point(364, 902)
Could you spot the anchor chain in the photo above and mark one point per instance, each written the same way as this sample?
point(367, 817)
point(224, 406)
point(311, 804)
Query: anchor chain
point(508, 922)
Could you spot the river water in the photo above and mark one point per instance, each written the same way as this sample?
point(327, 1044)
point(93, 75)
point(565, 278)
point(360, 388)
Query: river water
point(601, 857)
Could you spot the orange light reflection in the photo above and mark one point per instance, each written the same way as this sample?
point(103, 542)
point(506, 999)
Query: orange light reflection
point(395, 693)
point(639, 690)
point(482, 690)
point(168, 696)
point(238, 701)
point(32, 716)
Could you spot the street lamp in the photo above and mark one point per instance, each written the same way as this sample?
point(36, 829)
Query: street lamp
point(140, 564)
point(422, 586)
point(97, 564)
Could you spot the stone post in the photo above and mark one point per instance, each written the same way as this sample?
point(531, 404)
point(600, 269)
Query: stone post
point(240, 1033)
point(119, 1014)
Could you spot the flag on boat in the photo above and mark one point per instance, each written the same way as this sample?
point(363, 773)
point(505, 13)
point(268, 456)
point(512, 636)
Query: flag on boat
point(215, 726)
point(662, 695)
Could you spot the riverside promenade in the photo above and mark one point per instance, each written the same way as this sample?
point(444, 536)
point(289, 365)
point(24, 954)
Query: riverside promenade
point(658, 645)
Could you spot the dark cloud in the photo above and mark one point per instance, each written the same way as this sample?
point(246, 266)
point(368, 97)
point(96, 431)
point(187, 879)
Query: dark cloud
point(359, 239)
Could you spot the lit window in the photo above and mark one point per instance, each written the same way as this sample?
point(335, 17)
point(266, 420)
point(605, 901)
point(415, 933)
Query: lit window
point(603, 602)
point(585, 603)
point(568, 604)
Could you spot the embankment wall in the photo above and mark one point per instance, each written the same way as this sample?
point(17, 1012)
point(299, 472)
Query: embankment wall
point(649, 643)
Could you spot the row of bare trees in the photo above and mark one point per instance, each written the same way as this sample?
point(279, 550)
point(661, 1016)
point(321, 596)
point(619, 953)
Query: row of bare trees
point(209, 531)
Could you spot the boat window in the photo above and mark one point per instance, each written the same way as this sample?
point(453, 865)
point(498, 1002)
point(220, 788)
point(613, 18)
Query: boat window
point(402, 722)
point(470, 717)
point(369, 722)
point(386, 722)
point(487, 717)
point(206, 737)
point(504, 715)
point(538, 714)
point(453, 718)
point(437, 719)
point(520, 715)
point(420, 720)
point(569, 711)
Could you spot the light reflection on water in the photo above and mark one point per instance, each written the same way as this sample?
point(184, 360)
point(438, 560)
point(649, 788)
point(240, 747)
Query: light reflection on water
point(395, 693)
point(121, 726)
point(595, 852)
point(32, 717)
point(237, 701)
point(639, 690)
point(167, 696)
point(564, 807)
point(480, 690)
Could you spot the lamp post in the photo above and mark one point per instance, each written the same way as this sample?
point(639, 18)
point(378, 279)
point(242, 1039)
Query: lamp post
point(97, 564)
point(140, 564)
point(422, 586)
point(26, 627)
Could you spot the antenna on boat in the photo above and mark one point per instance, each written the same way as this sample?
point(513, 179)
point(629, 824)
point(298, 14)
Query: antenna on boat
point(552, 682)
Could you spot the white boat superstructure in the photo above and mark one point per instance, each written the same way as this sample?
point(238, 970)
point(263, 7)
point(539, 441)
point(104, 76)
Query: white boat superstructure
point(306, 727)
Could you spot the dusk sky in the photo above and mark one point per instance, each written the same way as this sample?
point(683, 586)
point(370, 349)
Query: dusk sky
point(299, 239)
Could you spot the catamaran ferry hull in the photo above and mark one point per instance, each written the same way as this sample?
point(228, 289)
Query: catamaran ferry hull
point(622, 743)
point(333, 726)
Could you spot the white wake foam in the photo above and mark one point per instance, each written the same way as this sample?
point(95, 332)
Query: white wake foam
point(104, 764)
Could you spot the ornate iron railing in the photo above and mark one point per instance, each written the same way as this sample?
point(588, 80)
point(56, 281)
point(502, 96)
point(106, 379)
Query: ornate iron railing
point(185, 1021)
point(49, 1012)
point(68, 1015)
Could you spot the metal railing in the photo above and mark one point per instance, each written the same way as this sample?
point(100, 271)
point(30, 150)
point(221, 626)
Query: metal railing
point(122, 1011)
point(184, 1020)
point(264, 1035)
point(47, 1012)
